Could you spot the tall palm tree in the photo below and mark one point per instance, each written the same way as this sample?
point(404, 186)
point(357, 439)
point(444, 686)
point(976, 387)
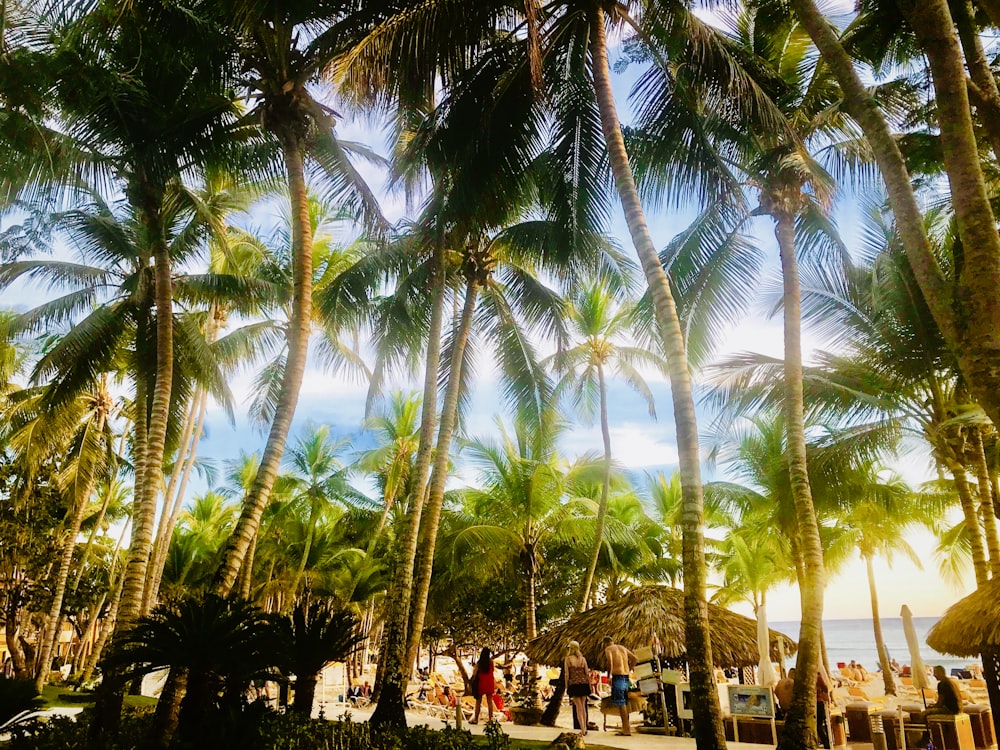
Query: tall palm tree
point(284, 48)
point(526, 500)
point(79, 429)
point(601, 329)
point(968, 319)
point(877, 513)
point(795, 189)
point(562, 44)
point(319, 481)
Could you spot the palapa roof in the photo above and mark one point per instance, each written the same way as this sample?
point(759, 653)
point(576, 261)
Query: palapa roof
point(640, 614)
point(970, 623)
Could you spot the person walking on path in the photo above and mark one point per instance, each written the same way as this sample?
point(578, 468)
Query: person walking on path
point(577, 676)
point(620, 662)
point(483, 685)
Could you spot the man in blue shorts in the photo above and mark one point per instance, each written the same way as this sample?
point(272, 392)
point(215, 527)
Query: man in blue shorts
point(620, 662)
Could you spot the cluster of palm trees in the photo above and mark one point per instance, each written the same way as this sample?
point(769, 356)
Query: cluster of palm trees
point(143, 139)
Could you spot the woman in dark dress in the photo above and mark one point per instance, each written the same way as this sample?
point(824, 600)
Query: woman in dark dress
point(483, 684)
point(577, 676)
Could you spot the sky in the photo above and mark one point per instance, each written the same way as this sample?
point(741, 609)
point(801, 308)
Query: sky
point(640, 444)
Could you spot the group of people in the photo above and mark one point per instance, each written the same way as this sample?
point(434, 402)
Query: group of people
point(578, 679)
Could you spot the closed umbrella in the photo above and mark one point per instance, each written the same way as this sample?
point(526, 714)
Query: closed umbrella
point(917, 668)
point(765, 669)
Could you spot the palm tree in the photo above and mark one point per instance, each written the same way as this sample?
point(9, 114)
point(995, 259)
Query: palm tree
point(312, 635)
point(526, 501)
point(80, 430)
point(319, 479)
point(601, 329)
point(573, 54)
point(214, 643)
point(140, 111)
point(878, 511)
point(794, 189)
point(284, 47)
point(391, 460)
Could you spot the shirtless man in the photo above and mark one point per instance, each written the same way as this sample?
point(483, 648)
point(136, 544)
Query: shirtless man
point(783, 692)
point(620, 662)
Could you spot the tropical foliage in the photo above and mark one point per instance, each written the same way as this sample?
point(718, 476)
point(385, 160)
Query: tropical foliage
point(189, 237)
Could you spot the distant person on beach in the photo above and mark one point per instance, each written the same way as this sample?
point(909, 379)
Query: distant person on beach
point(894, 666)
point(620, 662)
point(783, 692)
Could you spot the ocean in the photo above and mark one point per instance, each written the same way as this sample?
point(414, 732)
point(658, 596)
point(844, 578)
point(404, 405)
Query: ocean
point(855, 639)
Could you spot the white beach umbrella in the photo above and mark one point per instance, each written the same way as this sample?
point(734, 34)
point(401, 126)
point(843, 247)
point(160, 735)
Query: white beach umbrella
point(917, 668)
point(765, 669)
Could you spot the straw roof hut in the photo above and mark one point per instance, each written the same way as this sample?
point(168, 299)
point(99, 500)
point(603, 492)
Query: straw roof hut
point(970, 623)
point(635, 618)
point(971, 627)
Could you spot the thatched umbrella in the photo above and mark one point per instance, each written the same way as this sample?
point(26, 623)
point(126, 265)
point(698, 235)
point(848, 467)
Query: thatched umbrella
point(638, 616)
point(971, 627)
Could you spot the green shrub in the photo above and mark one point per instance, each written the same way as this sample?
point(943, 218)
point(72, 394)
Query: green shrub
point(254, 729)
point(17, 696)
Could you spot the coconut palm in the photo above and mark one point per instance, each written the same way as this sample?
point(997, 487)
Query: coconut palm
point(319, 480)
point(970, 328)
point(81, 431)
point(283, 48)
point(601, 328)
point(791, 171)
point(391, 460)
point(879, 508)
point(560, 47)
point(527, 498)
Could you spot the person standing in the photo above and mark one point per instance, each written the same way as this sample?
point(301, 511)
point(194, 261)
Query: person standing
point(822, 712)
point(577, 676)
point(783, 692)
point(620, 662)
point(483, 684)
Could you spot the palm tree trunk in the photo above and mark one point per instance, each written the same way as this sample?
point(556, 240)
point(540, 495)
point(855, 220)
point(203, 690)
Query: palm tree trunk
point(106, 628)
point(295, 367)
point(883, 655)
point(602, 508)
point(305, 694)
point(708, 726)
point(51, 632)
point(971, 516)
point(293, 589)
point(172, 510)
point(800, 721)
point(85, 555)
point(986, 501)
point(246, 571)
point(144, 517)
point(168, 496)
point(983, 92)
point(530, 622)
point(439, 474)
point(391, 679)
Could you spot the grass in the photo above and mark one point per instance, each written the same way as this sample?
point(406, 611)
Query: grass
point(59, 696)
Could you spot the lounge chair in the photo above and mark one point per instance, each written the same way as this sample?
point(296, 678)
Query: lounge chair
point(859, 692)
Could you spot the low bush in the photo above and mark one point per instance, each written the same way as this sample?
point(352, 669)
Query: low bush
point(251, 730)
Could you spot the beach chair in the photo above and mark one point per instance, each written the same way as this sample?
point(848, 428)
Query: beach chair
point(859, 692)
